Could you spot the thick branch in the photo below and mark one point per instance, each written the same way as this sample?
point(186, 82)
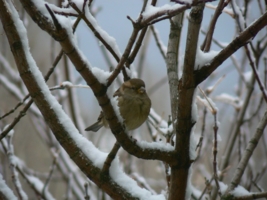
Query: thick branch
point(185, 121)
point(99, 90)
point(244, 37)
point(172, 62)
point(18, 50)
point(192, 44)
point(26, 66)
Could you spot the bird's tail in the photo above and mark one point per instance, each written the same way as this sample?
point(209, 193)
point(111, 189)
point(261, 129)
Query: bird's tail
point(94, 127)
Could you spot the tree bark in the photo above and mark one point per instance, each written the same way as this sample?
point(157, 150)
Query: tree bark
point(185, 122)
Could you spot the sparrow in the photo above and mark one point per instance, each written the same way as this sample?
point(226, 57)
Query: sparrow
point(134, 106)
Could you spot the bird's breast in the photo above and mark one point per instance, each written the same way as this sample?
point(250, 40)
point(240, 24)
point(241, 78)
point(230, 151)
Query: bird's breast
point(134, 111)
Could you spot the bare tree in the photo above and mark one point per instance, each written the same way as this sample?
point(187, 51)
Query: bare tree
point(223, 167)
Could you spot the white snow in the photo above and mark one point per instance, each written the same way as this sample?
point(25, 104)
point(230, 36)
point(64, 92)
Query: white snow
point(155, 115)
point(40, 4)
point(65, 3)
point(196, 192)
point(239, 191)
point(86, 146)
point(188, 1)
point(14, 162)
point(156, 145)
point(247, 76)
point(229, 99)
point(219, 138)
point(114, 102)
point(61, 10)
point(11, 87)
point(189, 188)
point(67, 84)
point(208, 103)
point(11, 132)
point(101, 75)
point(4, 189)
point(10, 72)
point(65, 22)
point(152, 10)
point(203, 58)
point(193, 144)
point(223, 187)
point(162, 124)
point(194, 117)
point(38, 185)
point(110, 40)
point(124, 181)
point(131, 72)
point(239, 14)
point(194, 110)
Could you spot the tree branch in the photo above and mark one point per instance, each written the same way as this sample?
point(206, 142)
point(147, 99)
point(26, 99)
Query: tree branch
point(248, 34)
point(26, 65)
point(185, 120)
point(207, 42)
point(172, 63)
point(248, 153)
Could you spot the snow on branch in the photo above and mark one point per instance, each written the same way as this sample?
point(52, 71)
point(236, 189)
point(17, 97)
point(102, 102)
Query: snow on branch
point(153, 14)
point(5, 191)
point(82, 151)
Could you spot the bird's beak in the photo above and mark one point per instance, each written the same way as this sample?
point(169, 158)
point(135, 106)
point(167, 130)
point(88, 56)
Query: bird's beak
point(141, 90)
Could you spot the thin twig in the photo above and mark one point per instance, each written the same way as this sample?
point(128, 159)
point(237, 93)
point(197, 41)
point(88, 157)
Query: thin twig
point(52, 168)
point(124, 57)
point(200, 142)
point(237, 126)
point(208, 187)
point(215, 140)
point(251, 62)
point(215, 151)
point(28, 105)
point(158, 42)
point(169, 13)
point(207, 42)
point(47, 76)
point(112, 154)
point(255, 71)
point(10, 152)
point(96, 33)
point(16, 107)
point(142, 182)
point(143, 54)
point(16, 120)
point(66, 13)
point(141, 37)
point(248, 153)
point(87, 196)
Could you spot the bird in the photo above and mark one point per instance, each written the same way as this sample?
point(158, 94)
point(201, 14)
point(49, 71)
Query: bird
point(134, 105)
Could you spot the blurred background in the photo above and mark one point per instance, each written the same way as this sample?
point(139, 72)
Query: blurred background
point(35, 145)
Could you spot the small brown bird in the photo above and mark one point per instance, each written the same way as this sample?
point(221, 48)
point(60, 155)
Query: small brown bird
point(133, 103)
